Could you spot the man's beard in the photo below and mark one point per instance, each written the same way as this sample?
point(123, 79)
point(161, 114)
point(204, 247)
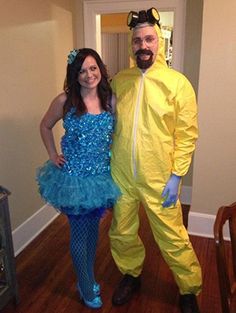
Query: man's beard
point(144, 64)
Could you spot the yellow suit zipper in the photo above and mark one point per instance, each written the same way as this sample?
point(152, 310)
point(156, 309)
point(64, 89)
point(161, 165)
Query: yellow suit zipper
point(135, 127)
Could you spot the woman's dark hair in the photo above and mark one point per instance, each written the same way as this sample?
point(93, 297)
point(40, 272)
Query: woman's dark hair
point(72, 86)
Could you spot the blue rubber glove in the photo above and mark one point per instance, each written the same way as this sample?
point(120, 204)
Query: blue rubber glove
point(170, 192)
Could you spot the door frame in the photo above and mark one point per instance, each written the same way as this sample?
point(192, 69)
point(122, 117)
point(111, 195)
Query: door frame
point(92, 21)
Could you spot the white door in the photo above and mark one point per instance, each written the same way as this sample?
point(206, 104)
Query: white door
point(92, 25)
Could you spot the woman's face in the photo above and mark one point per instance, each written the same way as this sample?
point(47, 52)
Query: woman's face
point(89, 75)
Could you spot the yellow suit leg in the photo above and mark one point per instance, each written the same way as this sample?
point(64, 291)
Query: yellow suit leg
point(173, 241)
point(126, 246)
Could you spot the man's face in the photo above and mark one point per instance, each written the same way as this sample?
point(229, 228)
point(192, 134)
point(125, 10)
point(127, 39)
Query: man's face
point(145, 46)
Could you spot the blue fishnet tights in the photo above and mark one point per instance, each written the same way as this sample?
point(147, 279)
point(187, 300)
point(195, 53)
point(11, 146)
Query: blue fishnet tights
point(83, 243)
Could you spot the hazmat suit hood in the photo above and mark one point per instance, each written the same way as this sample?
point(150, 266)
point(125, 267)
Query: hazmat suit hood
point(160, 56)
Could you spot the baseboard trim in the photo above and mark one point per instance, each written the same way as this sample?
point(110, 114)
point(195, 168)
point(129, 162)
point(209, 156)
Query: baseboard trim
point(202, 225)
point(32, 227)
point(198, 224)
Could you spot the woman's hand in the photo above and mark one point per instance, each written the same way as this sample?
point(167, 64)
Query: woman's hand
point(58, 160)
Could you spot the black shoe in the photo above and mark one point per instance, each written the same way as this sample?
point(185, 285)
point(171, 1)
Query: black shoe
point(125, 290)
point(188, 303)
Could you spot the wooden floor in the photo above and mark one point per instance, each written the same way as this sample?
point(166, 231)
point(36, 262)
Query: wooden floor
point(47, 282)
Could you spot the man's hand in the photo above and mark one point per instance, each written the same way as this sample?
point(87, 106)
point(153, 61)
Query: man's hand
point(170, 192)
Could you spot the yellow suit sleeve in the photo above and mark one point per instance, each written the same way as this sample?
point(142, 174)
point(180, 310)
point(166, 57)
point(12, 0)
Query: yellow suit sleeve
point(186, 130)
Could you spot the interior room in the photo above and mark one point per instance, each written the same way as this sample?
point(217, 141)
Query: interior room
point(35, 39)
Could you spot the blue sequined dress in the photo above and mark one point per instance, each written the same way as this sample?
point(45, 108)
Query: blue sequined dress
point(84, 182)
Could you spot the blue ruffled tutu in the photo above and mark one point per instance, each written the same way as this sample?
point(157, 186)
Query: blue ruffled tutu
point(75, 195)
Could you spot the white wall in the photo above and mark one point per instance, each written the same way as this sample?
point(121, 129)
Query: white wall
point(35, 38)
point(214, 175)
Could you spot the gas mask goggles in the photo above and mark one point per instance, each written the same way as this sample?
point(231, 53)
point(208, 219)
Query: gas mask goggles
point(150, 16)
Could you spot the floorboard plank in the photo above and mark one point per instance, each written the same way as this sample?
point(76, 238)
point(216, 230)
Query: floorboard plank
point(47, 281)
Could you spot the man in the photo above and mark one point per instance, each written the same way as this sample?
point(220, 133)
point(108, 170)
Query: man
point(153, 143)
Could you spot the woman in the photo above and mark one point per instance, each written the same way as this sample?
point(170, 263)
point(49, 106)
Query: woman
point(78, 182)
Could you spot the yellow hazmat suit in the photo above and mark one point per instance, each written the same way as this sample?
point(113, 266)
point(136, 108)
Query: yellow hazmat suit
point(154, 137)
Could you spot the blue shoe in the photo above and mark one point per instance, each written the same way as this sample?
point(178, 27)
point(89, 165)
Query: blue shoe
point(96, 303)
point(96, 289)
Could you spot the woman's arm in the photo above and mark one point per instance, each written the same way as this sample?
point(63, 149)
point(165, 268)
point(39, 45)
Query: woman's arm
point(51, 117)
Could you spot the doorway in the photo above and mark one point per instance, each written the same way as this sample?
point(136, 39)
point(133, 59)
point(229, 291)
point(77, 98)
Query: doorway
point(114, 40)
point(186, 41)
point(94, 9)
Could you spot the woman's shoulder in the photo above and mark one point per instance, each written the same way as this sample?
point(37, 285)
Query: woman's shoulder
point(55, 110)
point(60, 99)
point(58, 102)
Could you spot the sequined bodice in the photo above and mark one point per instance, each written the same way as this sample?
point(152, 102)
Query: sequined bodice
point(86, 143)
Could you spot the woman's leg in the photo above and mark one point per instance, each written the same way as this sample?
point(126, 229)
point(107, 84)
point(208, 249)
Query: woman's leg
point(92, 245)
point(80, 246)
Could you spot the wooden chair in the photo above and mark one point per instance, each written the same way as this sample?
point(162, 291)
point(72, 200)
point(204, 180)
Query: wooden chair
point(226, 257)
